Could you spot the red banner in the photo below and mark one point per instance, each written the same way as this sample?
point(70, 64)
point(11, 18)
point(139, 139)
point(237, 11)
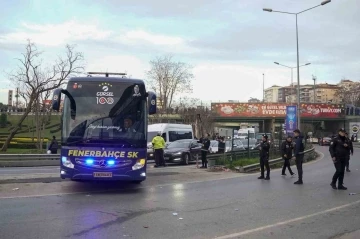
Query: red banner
point(276, 110)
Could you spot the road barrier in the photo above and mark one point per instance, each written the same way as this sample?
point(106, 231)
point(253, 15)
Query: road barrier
point(254, 167)
point(25, 157)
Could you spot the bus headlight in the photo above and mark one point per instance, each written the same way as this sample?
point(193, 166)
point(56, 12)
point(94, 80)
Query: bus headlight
point(66, 162)
point(139, 164)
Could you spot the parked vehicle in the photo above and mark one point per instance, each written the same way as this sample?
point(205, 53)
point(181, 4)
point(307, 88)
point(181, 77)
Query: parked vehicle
point(245, 133)
point(182, 151)
point(170, 133)
point(324, 141)
point(238, 146)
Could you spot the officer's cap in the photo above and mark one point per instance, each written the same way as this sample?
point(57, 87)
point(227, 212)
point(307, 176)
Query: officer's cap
point(158, 133)
point(342, 130)
point(265, 136)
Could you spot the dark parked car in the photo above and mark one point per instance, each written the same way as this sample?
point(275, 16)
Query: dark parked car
point(182, 151)
point(325, 141)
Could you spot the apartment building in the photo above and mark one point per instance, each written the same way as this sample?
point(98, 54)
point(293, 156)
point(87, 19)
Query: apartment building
point(272, 93)
point(324, 93)
point(284, 92)
point(304, 94)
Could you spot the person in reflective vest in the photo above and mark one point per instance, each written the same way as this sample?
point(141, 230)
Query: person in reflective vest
point(158, 143)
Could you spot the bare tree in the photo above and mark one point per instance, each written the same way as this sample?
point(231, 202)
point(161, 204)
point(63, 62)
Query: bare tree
point(349, 93)
point(193, 112)
point(169, 78)
point(34, 78)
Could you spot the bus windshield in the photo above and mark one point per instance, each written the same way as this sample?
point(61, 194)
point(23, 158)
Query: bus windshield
point(114, 113)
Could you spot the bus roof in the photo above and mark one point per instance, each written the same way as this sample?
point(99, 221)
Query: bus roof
point(103, 78)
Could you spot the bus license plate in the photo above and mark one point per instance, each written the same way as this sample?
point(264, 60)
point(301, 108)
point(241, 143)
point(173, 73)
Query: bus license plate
point(103, 175)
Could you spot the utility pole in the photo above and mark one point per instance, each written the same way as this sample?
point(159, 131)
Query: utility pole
point(314, 79)
point(263, 87)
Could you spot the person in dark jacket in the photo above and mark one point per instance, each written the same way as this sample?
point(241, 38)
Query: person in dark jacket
point(286, 152)
point(264, 158)
point(204, 149)
point(53, 147)
point(339, 151)
point(351, 152)
point(221, 144)
point(299, 147)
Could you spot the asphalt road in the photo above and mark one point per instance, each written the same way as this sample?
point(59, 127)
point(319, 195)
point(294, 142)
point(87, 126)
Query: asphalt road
point(237, 207)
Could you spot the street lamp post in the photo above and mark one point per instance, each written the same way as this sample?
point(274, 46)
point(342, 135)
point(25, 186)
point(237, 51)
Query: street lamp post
point(297, 49)
point(291, 68)
point(263, 87)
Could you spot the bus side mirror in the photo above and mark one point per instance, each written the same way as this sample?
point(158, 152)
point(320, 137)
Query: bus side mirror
point(55, 104)
point(152, 103)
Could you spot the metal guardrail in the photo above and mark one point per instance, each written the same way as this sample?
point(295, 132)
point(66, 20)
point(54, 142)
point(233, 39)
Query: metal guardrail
point(253, 167)
point(16, 157)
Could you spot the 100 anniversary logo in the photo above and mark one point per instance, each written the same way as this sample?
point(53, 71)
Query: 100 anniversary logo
point(105, 96)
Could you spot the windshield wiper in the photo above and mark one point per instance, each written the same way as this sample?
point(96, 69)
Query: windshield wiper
point(99, 140)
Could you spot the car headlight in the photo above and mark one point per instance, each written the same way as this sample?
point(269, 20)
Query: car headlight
point(140, 163)
point(151, 155)
point(178, 153)
point(66, 162)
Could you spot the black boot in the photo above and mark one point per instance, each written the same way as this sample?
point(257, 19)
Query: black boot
point(299, 182)
point(341, 187)
point(333, 185)
point(261, 177)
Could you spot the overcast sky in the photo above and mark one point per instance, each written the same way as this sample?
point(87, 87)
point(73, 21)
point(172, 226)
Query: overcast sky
point(229, 43)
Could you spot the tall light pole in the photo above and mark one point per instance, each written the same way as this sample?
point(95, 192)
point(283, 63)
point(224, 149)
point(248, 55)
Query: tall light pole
point(263, 87)
point(291, 68)
point(297, 49)
point(314, 79)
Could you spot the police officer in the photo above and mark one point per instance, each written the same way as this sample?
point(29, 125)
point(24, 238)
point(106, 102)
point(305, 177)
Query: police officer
point(205, 141)
point(339, 151)
point(351, 151)
point(286, 152)
point(158, 143)
point(299, 148)
point(264, 157)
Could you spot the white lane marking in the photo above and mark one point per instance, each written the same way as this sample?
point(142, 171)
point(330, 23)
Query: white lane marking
point(243, 233)
point(157, 186)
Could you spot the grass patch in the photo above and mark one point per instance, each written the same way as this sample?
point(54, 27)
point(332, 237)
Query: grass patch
point(28, 128)
point(24, 151)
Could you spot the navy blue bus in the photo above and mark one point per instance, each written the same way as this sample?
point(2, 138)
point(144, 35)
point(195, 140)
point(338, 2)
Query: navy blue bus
point(104, 127)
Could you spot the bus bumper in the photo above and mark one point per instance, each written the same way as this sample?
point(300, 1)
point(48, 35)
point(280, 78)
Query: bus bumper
point(118, 175)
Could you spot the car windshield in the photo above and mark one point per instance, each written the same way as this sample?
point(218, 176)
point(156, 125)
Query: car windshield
point(179, 144)
point(104, 112)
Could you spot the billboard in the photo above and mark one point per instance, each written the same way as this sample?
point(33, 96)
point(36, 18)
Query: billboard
point(290, 119)
point(267, 110)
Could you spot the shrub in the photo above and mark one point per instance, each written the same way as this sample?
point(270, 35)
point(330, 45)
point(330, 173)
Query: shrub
point(3, 120)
